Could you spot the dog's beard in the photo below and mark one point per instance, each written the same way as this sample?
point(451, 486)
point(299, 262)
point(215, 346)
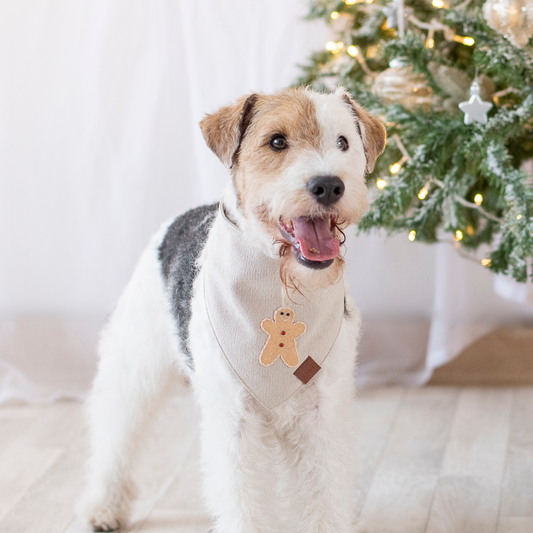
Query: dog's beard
point(298, 278)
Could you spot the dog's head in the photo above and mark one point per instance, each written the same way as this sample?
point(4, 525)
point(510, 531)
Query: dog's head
point(298, 161)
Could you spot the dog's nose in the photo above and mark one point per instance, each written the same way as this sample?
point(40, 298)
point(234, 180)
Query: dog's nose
point(326, 190)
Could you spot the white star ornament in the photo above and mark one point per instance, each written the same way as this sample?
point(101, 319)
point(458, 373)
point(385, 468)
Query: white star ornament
point(475, 109)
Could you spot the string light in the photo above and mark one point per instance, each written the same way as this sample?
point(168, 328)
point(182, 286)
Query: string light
point(423, 193)
point(478, 199)
point(351, 2)
point(369, 1)
point(485, 262)
point(468, 41)
point(458, 235)
point(470, 230)
point(518, 217)
point(395, 168)
point(440, 4)
point(352, 50)
point(430, 43)
point(412, 235)
point(331, 46)
point(340, 45)
point(381, 183)
point(334, 15)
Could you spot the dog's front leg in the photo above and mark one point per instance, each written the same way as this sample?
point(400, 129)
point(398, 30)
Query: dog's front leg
point(138, 355)
point(239, 465)
point(320, 464)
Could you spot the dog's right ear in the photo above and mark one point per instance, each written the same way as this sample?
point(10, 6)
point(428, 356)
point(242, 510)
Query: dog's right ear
point(224, 130)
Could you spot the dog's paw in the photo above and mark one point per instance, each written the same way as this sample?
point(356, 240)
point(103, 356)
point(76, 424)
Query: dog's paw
point(101, 516)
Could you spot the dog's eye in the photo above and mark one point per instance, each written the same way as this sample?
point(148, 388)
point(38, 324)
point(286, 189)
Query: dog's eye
point(342, 143)
point(279, 143)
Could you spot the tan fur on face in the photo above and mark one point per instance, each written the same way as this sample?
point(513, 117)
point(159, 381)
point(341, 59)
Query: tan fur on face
point(224, 130)
point(373, 132)
point(290, 113)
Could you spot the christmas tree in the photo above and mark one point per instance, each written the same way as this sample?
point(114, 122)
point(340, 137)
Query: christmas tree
point(454, 86)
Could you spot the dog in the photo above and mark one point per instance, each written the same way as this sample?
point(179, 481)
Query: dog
point(246, 299)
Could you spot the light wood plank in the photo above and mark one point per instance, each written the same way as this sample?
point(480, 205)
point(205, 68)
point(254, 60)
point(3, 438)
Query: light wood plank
point(19, 469)
point(184, 493)
point(14, 420)
point(468, 492)
point(48, 506)
point(515, 524)
point(517, 488)
point(465, 504)
point(171, 521)
point(53, 426)
point(374, 413)
point(480, 431)
point(34, 450)
point(401, 492)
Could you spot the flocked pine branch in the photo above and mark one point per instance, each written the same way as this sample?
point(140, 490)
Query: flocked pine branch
point(460, 179)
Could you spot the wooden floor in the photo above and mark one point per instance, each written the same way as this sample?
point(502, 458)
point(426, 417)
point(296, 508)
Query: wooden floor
point(437, 459)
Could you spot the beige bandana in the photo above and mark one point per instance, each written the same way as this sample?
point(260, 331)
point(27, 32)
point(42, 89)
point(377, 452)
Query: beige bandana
point(267, 339)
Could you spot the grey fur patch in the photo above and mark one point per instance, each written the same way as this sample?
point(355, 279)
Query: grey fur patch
point(178, 254)
point(346, 311)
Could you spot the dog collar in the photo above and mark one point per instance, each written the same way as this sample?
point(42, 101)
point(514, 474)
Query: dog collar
point(273, 344)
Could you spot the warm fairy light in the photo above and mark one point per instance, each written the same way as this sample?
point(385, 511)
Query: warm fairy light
point(334, 15)
point(371, 51)
point(430, 43)
point(395, 168)
point(478, 199)
point(470, 230)
point(381, 183)
point(331, 46)
point(369, 1)
point(423, 193)
point(468, 41)
point(340, 45)
point(438, 3)
point(458, 235)
point(352, 50)
point(350, 2)
point(412, 235)
point(485, 262)
point(518, 217)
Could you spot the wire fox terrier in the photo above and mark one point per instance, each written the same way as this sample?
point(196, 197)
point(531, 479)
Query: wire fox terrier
point(247, 300)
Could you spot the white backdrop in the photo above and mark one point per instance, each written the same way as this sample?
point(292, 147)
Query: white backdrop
point(99, 144)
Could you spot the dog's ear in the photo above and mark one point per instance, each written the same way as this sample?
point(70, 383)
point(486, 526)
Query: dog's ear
point(373, 133)
point(224, 130)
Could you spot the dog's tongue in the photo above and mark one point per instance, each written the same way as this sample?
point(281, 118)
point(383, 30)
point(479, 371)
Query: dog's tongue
point(315, 238)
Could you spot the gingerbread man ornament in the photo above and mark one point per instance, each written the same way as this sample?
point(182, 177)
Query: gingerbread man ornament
point(281, 342)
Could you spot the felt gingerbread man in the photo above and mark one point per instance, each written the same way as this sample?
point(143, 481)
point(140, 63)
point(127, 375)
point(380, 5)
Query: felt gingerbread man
point(281, 342)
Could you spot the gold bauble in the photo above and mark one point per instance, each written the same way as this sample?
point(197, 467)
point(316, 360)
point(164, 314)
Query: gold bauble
point(512, 18)
point(399, 84)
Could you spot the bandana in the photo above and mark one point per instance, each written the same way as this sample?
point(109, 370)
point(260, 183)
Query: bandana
point(274, 344)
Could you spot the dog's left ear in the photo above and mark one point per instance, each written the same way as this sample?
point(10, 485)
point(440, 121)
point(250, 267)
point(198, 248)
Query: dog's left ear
point(372, 131)
point(224, 130)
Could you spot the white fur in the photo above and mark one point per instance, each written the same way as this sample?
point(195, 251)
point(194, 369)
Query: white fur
point(287, 470)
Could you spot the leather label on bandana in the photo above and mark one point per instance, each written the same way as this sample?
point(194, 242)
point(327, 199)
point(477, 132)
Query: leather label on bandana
point(282, 334)
point(307, 370)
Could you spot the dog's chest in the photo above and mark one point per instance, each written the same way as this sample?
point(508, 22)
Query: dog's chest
point(274, 344)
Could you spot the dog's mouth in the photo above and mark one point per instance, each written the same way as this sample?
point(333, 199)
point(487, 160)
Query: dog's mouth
point(313, 240)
